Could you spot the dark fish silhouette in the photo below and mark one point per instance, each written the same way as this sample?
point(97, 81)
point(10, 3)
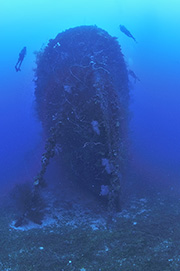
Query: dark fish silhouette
point(133, 75)
point(126, 32)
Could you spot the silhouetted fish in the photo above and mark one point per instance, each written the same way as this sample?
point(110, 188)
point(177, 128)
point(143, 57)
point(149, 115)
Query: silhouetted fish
point(126, 32)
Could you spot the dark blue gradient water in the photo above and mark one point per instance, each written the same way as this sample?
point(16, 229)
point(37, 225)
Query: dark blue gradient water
point(155, 109)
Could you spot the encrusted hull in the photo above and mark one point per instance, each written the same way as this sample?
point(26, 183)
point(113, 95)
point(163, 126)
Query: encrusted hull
point(82, 99)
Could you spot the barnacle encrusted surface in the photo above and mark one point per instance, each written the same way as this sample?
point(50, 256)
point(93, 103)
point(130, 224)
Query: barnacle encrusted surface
point(82, 100)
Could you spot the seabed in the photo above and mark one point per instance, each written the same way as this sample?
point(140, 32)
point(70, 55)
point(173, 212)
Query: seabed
point(144, 236)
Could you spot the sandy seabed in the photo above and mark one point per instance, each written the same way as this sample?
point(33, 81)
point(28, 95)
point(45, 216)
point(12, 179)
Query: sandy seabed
point(144, 236)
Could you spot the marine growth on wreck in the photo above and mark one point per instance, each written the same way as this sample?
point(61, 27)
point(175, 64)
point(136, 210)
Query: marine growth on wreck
point(82, 101)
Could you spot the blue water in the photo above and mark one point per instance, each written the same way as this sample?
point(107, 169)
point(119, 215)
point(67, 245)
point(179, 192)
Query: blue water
point(155, 110)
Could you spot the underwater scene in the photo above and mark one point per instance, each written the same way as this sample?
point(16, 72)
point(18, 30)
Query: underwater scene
point(90, 135)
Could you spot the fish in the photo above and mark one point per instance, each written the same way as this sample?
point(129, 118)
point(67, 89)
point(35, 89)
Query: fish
point(126, 32)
